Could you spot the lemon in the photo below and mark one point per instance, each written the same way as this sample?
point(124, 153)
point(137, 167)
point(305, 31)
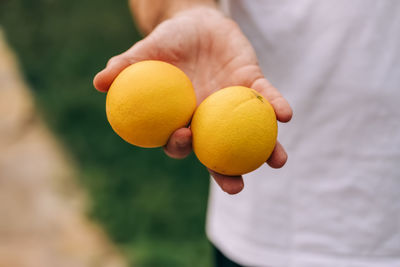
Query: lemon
point(234, 130)
point(148, 101)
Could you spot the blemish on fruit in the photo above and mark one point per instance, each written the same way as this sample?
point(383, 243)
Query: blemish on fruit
point(258, 96)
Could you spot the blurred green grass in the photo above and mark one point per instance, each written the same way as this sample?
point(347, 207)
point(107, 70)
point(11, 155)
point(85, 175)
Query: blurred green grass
point(153, 207)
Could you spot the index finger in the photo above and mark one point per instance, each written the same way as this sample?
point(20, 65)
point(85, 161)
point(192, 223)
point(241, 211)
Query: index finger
point(103, 80)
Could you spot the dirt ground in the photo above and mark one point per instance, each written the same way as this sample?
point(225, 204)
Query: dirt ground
point(42, 210)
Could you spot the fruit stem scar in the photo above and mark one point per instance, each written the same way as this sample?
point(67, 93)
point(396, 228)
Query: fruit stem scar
point(258, 96)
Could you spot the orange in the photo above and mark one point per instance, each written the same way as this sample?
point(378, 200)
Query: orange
point(148, 101)
point(234, 130)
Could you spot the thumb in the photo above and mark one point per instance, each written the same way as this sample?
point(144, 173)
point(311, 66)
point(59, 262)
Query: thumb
point(116, 64)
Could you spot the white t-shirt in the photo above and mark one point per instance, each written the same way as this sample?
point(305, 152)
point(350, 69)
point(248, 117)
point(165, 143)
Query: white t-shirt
point(336, 203)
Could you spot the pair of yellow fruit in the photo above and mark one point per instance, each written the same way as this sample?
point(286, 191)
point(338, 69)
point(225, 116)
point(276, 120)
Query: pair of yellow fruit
point(234, 130)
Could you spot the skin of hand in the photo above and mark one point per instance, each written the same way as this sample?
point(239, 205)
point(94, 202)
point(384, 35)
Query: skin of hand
point(212, 50)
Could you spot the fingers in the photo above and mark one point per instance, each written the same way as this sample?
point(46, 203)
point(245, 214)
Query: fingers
point(278, 157)
point(229, 184)
point(283, 113)
point(282, 108)
point(179, 144)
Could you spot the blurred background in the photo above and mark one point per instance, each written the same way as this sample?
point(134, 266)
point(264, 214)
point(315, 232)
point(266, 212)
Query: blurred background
point(69, 186)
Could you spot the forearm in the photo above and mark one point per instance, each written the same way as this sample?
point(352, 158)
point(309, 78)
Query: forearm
point(149, 13)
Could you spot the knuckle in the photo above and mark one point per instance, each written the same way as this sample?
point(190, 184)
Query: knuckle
point(114, 60)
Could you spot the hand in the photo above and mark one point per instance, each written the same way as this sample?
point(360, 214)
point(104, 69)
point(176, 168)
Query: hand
point(214, 53)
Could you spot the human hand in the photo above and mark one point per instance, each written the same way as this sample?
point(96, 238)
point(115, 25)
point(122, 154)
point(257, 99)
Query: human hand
point(214, 53)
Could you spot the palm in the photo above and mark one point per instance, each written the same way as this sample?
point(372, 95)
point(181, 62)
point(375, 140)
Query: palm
point(212, 57)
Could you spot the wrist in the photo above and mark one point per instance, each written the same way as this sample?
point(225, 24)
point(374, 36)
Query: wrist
point(206, 7)
point(198, 11)
point(148, 14)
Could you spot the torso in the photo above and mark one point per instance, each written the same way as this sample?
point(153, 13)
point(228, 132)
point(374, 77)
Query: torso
point(337, 200)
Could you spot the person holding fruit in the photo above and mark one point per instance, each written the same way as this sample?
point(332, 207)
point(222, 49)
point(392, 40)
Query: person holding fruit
point(337, 201)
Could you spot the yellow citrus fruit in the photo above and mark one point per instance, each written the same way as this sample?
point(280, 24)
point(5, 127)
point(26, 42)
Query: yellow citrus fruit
point(148, 101)
point(234, 130)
